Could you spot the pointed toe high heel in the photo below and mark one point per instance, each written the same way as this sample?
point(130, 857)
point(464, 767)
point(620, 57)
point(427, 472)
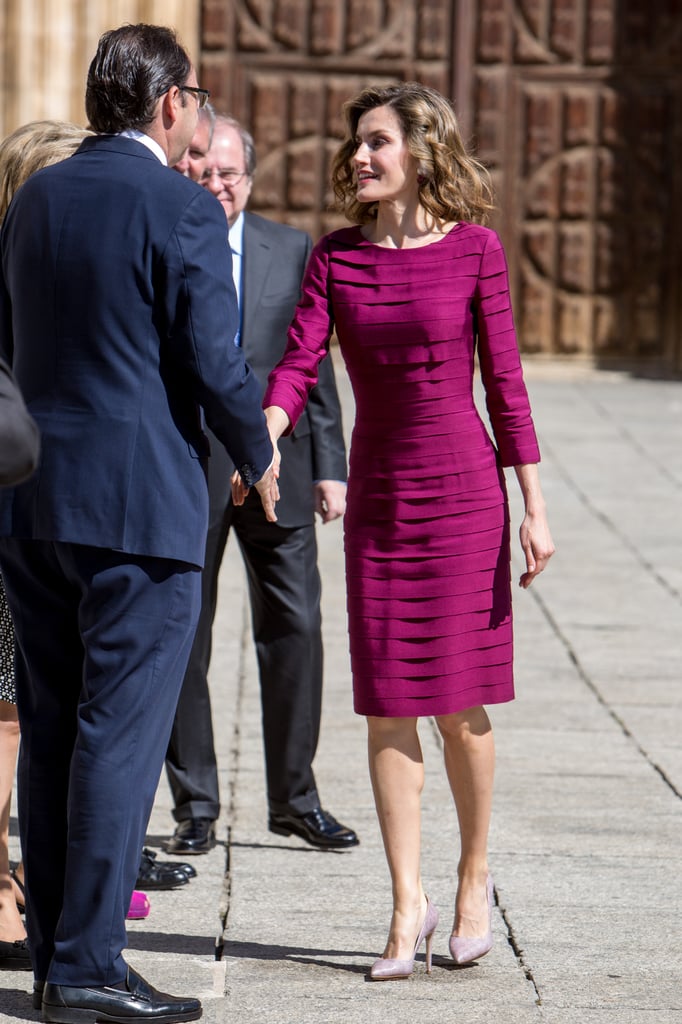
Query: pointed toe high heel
point(20, 890)
point(390, 968)
point(466, 950)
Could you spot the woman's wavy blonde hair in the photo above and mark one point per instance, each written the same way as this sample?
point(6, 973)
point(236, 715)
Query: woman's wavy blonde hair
point(452, 184)
point(31, 147)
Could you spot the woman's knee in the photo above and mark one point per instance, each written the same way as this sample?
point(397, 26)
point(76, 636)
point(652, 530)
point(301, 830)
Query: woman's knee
point(462, 724)
point(391, 731)
point(9, 719)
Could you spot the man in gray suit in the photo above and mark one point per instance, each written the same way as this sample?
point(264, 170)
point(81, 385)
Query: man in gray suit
point(268, 261)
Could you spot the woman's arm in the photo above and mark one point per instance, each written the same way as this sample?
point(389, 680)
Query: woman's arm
point(291, 381)
point(508, 405)
point(278, 422)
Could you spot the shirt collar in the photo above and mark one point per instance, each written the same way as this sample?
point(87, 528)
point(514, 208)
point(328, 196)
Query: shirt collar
point(146, 140)
point(236, 235)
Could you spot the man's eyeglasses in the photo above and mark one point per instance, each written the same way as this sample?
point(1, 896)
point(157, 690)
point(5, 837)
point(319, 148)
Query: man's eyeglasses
point(226, 175)
point(202, 95)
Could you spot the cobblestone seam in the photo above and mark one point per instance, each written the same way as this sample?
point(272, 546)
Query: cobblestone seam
point(592, 687)
point(226, 894)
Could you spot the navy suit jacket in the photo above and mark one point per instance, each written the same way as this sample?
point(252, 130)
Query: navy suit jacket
point(118, 313)
point(273, 262)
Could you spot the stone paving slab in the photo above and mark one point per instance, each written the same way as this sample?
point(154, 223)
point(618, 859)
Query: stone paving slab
point(586, 837)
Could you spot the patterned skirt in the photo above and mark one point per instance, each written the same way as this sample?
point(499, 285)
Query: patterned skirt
point(7, 691)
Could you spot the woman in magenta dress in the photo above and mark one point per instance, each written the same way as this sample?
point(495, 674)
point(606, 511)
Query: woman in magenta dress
point(413, 290)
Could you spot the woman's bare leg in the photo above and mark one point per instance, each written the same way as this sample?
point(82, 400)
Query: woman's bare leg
point(11, 925)
point(396, 769)
point(469, 751)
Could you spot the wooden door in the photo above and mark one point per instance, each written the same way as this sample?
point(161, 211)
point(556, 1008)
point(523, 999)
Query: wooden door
point(575, 105)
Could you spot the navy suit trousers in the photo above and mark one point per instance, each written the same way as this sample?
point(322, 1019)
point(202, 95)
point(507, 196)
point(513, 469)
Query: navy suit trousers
point(103, 639)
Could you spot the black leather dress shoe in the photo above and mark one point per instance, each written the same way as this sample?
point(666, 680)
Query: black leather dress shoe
point(159, 874)
point(180, 865)
point(192, 836)
point(138, 1000)
point(15, 956)
point(317, 827)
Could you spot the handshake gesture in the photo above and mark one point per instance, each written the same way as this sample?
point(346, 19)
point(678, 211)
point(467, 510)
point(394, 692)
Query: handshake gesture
point(267, 486)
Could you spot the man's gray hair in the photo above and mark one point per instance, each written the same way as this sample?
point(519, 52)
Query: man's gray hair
point(207, 113)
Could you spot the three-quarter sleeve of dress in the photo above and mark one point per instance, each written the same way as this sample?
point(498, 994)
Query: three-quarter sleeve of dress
point(289, 383)
point(498, 352)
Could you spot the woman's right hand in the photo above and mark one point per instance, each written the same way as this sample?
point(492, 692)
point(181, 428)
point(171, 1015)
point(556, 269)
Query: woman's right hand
point(277, 422)
point(267, 487)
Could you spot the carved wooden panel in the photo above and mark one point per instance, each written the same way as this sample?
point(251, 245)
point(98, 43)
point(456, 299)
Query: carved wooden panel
point(285, 67)
point(592, 214)
point(578, 109)
point(575, 105)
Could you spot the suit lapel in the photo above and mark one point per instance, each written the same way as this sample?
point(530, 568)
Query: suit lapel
point(256, 259)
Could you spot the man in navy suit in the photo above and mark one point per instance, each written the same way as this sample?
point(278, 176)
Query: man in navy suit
point(118, 314)
point(281, 562)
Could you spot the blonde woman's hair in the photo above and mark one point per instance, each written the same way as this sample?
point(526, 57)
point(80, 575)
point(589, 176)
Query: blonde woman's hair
point(452, 184)
point(31, 147)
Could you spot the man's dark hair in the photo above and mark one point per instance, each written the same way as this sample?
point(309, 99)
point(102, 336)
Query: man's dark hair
point(134, 66)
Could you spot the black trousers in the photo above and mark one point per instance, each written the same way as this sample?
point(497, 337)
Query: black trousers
point(284, 589)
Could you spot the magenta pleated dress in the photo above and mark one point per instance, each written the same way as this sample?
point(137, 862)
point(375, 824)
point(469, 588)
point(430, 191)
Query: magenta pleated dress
point(426, 529)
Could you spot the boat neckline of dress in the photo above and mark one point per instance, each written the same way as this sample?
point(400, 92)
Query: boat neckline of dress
point(410, 248)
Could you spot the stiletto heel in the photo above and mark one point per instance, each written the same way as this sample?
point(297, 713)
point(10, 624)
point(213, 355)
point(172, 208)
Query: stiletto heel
point(391, 968)
point(465, 950)
point(429, 944)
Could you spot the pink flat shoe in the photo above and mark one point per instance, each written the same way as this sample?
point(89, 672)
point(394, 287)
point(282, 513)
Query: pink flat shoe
point(390, 968)
point(465, 950)
point(139, 906)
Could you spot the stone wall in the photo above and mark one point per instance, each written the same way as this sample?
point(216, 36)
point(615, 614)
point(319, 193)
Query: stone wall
point(47, 45)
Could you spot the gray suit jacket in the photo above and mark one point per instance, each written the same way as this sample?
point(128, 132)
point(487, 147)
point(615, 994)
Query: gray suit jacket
point(274, 259)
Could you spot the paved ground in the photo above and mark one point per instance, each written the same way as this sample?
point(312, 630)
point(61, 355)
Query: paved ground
point(587, 828)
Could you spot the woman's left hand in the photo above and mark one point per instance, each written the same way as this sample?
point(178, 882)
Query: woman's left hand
point(537, 545)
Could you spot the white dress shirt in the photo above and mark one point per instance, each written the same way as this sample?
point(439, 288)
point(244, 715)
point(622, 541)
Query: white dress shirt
point(146, 140)
point(236, 240)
